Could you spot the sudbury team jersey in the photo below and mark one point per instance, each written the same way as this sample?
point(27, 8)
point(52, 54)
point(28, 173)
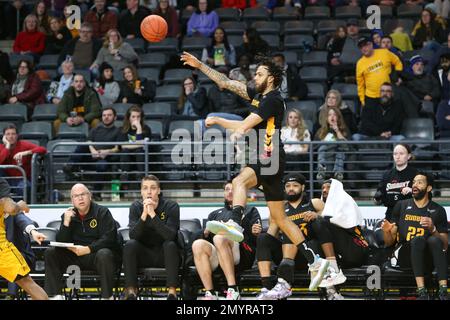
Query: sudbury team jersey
point(297, 215)
point(407, 215)
point(2, 227)
point(270, 108)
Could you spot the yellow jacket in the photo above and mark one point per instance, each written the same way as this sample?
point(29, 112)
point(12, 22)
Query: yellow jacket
point(372, 72)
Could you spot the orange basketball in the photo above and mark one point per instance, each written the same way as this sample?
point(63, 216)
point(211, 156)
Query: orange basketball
point(154, 28)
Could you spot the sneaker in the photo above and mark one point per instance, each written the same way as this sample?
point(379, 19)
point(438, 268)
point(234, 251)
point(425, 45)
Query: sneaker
point(282, 290)
point(210, 296)
point(230, 229)
point(317, 270)
point(58, 297)
point(332, 278)
point(332, 294)
point(443, 294)
point(321, 172)
point(263, 294)
point(422, 294)
point(339, 176)
point(233, 294)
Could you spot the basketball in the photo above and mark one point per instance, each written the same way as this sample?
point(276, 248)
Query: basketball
point(154, 28)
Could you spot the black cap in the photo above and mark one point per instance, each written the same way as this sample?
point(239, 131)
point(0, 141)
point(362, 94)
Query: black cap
point(297, 177)
point(363, 41)
point(4, 188)
point(352, 22)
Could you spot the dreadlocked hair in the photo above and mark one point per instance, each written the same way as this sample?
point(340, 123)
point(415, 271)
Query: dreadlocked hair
point(273, 70)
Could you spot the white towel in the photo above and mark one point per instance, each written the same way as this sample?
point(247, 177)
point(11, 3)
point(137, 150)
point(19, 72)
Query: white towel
point(341, 207)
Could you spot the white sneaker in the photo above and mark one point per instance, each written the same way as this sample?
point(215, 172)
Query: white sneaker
point(332, 278)
point(230, 229)
point(317, 270)
point(282, 290)
point(210, 296)
point(332, 294)
point(263, 294)
point(232, 294)
point(58, 297)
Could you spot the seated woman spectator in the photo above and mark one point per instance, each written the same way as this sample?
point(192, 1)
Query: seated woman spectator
point(334, 99)
point(220, 54)
point(428, 33)
point(443, 118)
point(58, 87)
point(376, 35)
point(58, 36)
point(254, 45)
point(115, 52)
point(202, 22)
point(193, 100)
point(295, 130)
point(331, 157)
point(170, 15)
point(27, 87)
point(30, 41)
point(107, 89)
point(335, 45)
point(135, 90)
point(40, 11)
point(134, 131)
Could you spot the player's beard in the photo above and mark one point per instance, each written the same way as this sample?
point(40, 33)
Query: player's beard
point(262, 87)
point(420, 195)
point(293, 197)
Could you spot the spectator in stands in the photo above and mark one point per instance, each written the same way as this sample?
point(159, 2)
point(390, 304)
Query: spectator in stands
point(442, 8)
point(136, 132)
point(238, 4)
point(373, 69)
point(401, 39)
point(443, 118)
point(30, 41)
point(17, 152)
point(202, 22)
point(107, 89)
point(295, 130)
point(154, 224)
point(293, 88)
point(115, 52)
point(92, 228)
point(131, 18)
point(382, 120)
point(169, 14)
point(57, 37)
point(245, 72)
point(82, 50)
point(332, 128)
point(149, 4)
point(193, 99)
point(16, 9)
point(434, 62)
point(418, 229)
point(55, 7)
point(326, 185)
point(443, 75)
point(135, 90)
point(429, 33)
point(226, 102)
point(6, 72)
point(79, 104)
point(335, 45)
point(75, 32)
point(376, 36)
point(101, 18)
point(334, 99)
point(423, 86)
point(386, 43)
point(253, 45)
point(27, 88)
point(342, 54)
point(102, 156)
point(396, 183)
point(40, 11)
point(220, 54)
point(59, 86)
point(211, 251)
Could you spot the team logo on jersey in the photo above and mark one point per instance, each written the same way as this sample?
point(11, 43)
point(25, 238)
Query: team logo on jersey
point(408, 207)
point(93, 224)
point(162, 216)
point(255, 103)
point(431, 211)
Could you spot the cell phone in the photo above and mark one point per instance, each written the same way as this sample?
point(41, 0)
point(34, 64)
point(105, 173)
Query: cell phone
point(73, 114)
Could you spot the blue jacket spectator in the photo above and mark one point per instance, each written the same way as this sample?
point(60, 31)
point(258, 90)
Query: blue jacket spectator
point(203, 22)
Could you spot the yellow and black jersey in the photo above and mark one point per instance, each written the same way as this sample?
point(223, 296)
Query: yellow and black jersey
point(270, 108)
point(297, 216)
point(407, 215)
point(3, 239)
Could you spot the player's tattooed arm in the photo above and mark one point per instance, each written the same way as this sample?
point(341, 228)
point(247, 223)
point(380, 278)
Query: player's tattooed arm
point(222, 80)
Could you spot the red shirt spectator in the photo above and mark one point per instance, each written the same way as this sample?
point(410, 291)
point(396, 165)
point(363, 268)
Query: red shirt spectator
point(101, 19)
point(30, 40)
point(239, 4)
point(171, 17)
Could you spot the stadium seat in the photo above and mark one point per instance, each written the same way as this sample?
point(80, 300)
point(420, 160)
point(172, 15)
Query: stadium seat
point(233, 27)
point(85, 73)
point(40, 130)
point(182, 124)
point(298, 42)
point(192, 225)
point(285, 13)
point(314, 74)
point(138, 44)
point(306, 107)
point(195, 43)
point(418, 129)
point(149, 74)
point(298, 27)
point(48, 61)
point(391, 24)
point(125, 233)
point(254, 14)
point(16, 113)
point(267, 27)
point(176, 76)
point(46, 111)
point(347, 12)
point(317, 13)
point(169, 92)
point(55, 224)
point(121, 109)
point(347, 90)
point(14, 59)
point(157, 110)
point(316, 91)
point(386, 12)
point(169, 45)
point(185, 15)
point(203, 79)
point(291, 58)
point(152, 60)
point(79, 132)
point(329, 26)
point(228, 14)
point(58, 148)
point(272, 40)
point(235, 41)
point(314, 58)
point(157, 128)
point(409, 11)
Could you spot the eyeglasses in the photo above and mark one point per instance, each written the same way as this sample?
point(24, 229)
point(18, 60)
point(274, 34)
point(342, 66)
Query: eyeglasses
point(79, 196)
point(23, 67)
point(188, 83)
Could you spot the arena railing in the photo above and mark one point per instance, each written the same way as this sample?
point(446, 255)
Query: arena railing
point(13, 179)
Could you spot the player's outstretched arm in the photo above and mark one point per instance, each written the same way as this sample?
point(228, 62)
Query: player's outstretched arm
point(222, 80)
point(12, 208)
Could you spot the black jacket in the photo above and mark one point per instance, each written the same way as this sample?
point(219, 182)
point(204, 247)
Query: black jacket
point(97, 230)
point(131, 24)
point(227, 102)
point(296, 86)
point(420, 86)
point(69, 48)
point(148, 88)
point(199, 101)
point(153, 232)
point(376, 119)
point(54, 45)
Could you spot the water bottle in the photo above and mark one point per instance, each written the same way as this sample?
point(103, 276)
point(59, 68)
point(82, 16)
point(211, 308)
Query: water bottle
point(115, 190)
point(55, 196)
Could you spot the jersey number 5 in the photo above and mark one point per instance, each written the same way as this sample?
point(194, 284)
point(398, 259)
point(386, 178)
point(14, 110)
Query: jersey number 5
point(414, 232)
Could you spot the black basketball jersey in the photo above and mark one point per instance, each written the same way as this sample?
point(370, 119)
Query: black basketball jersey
point(297, 215)
point(407, 217)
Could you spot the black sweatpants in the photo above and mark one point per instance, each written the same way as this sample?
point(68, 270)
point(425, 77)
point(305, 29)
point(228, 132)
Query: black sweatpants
point(136, 255)
point(421, 254)
point(104, 262)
